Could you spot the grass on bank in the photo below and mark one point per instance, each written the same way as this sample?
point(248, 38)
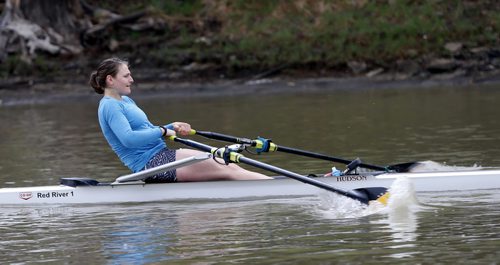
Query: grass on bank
point(261, 34)
point(330, 33)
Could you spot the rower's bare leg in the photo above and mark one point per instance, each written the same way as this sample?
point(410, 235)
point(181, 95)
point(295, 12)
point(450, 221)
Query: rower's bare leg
point(211, 170)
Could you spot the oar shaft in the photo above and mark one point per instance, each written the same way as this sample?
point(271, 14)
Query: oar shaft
point(311, 154)
point(239, 158)
point(224, 137)
point(290, 150)
point(290, 174)
point(197, 145)
point(324, 157)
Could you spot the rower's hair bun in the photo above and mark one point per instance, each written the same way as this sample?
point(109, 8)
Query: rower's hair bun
point(94, 83)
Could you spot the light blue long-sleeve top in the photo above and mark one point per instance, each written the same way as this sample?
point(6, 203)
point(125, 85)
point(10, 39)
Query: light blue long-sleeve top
point(129, 132)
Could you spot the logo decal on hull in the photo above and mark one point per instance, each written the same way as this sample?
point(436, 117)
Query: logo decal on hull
point(351, 178)
point(25, 195)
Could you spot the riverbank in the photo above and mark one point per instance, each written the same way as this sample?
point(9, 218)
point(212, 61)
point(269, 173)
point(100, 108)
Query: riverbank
point(47, 91)
point(192, 46)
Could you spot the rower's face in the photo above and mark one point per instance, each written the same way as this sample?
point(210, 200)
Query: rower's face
point(122, 81)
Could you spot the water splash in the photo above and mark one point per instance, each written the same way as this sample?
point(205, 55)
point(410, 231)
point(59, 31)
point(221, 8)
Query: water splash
point(401, 200)
point(426, 166)
point(398, 219)
point(402, 195)
point(334, 206)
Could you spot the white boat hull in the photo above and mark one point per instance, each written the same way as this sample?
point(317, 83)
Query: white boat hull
point(140, 192)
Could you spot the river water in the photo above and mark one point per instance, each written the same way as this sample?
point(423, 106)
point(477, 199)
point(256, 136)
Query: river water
point(454, 127)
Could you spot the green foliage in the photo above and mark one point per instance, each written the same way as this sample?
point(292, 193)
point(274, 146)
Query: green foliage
point(256, 34)
point(179, 8)
point(374, 31)
point(13, 65)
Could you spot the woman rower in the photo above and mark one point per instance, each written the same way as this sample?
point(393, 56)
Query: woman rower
point(138, 143)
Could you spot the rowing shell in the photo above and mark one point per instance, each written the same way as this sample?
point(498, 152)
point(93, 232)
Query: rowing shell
point(74, 191)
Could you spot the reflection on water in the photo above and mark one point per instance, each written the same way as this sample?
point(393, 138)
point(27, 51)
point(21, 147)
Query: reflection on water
point(270, 231)
point(398, 217)
point(402, 219)
point(136, 238)
point(401, 209)
point(459, 127)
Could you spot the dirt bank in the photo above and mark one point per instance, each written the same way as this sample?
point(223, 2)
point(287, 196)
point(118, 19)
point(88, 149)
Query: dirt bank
point(41, 91)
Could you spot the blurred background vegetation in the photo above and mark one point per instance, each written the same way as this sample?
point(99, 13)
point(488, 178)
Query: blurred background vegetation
point(233, 38)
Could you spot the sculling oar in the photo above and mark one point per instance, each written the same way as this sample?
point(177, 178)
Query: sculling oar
point(265, 145)
point(364, 195)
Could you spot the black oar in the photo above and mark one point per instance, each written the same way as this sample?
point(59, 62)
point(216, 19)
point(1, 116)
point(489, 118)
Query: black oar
point(268, 146)
point(364, 195)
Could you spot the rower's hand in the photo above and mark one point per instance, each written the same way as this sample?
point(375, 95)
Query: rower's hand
point(182, 128)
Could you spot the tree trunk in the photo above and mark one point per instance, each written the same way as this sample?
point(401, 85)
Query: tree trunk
point(59, 27)
point(63, 15)
point(28, 26)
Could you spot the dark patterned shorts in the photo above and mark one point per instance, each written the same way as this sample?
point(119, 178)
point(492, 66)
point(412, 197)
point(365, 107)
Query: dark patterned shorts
point(163, 157)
